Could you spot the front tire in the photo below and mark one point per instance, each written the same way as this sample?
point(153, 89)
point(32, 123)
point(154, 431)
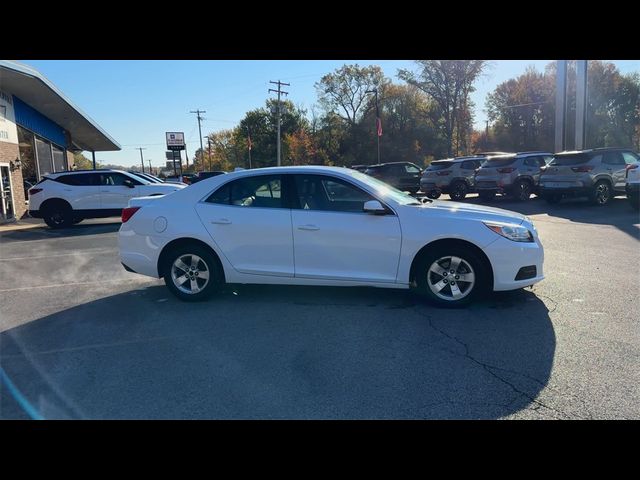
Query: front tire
point(192, 273)
point(436, 282)
point(522, 190)
point(434, 194)
point(458, 191)
point(601, 193)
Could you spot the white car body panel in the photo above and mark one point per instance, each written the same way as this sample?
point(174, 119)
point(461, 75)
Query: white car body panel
point(348, 249)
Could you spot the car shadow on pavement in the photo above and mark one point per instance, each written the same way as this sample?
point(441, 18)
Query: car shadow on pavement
point(618, 213)
point(46, 233)
point(281, 352)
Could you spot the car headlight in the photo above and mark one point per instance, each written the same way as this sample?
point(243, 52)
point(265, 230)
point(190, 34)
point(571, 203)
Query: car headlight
point(517, 233)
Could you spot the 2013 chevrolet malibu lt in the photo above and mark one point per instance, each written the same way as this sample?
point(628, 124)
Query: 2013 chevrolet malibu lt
point(325, 226)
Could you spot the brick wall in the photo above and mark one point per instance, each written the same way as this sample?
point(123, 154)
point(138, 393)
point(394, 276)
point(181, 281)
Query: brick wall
point(8, 153)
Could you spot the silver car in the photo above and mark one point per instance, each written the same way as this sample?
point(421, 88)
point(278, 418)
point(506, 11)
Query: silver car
point(516, 175)
point(453, 176)
point(598, 174)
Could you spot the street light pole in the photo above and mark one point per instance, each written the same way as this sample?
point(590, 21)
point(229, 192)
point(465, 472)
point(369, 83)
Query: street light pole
point(209, 143)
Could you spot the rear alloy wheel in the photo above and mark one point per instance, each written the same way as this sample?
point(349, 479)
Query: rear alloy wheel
point(434, 194)
point(450, 277)
point(192, 273)
point(487, 196)
point(58, 215)
point(458, 191)
point(522, 190)
point(601, 193)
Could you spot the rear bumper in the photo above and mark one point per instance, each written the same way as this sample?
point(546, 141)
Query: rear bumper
point(568, 190)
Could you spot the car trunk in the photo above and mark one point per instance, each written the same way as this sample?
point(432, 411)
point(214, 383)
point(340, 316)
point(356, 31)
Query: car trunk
point(560, 169)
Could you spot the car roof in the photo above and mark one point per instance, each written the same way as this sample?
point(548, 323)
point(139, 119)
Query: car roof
point(599, 149)
point(377, 165)
point(72, 172)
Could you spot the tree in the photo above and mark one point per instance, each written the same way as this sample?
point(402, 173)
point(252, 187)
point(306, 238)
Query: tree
point(302, 148)
point(448, 83)
point(81, 162)
point(345, 90)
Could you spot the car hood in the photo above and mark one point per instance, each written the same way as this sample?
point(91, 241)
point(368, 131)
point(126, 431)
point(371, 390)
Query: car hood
point(164, 187)
point(473, 212)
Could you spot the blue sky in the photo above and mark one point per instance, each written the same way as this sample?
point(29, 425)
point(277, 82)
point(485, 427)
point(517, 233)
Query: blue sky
point(136, 102)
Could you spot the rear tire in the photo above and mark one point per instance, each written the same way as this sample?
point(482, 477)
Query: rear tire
point(192, 273)
point(433, 271)
point(434, 194)
point(459, 191)
point(601, 193)
point(58, 215)
point(487, 196)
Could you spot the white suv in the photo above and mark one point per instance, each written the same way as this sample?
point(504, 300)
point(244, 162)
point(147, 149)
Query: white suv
point(632, 184)
point(65, 198)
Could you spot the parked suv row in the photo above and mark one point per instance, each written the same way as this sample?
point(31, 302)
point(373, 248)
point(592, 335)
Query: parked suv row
point(598, 174)
point(65, 198)
point(404, 176)
point(453, 176)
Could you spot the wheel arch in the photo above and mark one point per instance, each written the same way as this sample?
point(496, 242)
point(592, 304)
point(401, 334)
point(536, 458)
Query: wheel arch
point(448, 242)
point(183, 241)
point(53, 201)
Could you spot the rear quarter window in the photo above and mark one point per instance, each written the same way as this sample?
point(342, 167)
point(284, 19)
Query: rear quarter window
point(498, 162)
point(440, 165)
point(571, 159)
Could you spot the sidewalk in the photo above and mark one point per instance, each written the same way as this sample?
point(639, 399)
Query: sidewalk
point(23, 224)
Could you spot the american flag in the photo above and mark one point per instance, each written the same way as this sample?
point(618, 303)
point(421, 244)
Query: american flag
point(249, 144)
point(378, 121)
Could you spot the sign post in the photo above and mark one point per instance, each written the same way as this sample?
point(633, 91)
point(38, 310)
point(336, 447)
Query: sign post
point(175, 143)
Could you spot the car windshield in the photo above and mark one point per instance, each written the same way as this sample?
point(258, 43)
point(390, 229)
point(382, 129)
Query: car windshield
point(498, 162)
point(570, 159)
point(385, 190)
point(440, 165)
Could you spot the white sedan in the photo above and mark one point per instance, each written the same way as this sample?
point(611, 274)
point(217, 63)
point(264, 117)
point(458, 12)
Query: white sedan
point(332, 226)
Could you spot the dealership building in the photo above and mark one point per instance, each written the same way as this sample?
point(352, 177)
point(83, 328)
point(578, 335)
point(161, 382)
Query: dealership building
point(40, 129)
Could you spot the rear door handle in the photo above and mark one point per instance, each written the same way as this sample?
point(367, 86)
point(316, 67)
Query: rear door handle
point(308, 227)
point(221, 221)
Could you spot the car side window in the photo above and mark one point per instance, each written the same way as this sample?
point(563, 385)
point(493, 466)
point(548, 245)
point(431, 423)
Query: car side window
point(264, 191)
point(629, 158)
point(613, 158)
point(116, 179)
point(468, 165)
point(532, 162)
point(412, 169)
point(319, 192)
point(79, 179)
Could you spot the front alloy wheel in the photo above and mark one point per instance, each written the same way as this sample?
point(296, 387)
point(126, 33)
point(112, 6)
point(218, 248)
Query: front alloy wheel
point(459, 191)
point(451, 278)
point(601, 193)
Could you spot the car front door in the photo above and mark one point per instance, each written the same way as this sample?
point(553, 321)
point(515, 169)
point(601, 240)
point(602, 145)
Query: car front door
point(335, 239)
point(115, 191)
point(250, 221)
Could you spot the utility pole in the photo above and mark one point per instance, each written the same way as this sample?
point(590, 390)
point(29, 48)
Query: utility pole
point(150, 171)
point(141, 157)
point(209, 142)
point(279, 92)
point(198, 112)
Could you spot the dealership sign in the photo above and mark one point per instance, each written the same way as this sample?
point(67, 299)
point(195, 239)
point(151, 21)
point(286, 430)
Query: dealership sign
point(175, 141)
point(8, 131)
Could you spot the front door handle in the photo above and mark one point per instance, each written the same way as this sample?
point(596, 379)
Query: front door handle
point(308, 227)
point(221, 221)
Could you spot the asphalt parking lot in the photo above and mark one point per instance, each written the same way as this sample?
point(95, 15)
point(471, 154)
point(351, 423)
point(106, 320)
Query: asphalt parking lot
point(82, 338)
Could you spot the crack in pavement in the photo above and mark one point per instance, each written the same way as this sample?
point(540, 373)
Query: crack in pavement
point(489, 369)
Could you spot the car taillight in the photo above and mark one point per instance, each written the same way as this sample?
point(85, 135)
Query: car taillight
point(583, 168)
point(33, 191)
point(630, 167)
point(506, 170)
point(128, 212)
point(443, 173)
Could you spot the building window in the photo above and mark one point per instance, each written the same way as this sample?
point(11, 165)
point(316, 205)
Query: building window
point(45, 159)
point(27, 155)
point(59, 162)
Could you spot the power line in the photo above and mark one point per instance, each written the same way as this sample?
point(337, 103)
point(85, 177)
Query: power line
point(279, 92)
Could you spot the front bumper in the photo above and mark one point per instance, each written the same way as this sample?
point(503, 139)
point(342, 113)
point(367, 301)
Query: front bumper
point(508, 257)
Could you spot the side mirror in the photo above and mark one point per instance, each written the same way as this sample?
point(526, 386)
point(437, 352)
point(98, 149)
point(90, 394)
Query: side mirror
point(129, 183)
point(374, 207)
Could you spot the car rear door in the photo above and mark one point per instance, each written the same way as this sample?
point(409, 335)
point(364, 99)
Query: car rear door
point(334, 239)
point(81, 190)
point(250, 221)
point(615, 165)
